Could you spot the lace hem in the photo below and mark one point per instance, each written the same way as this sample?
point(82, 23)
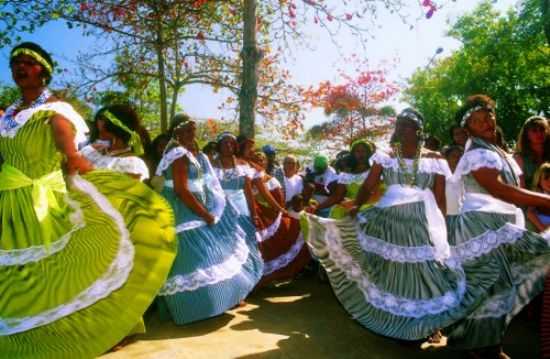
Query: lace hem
point(426, 165)
point(22, 256)
point(114, 277)
point(209, 276)
point(486, 242)
point(396, 305)
point(394, 253)
point(284, 259)
point(271, 230)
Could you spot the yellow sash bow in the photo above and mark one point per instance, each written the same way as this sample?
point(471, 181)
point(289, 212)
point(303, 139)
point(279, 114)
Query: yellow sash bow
point(43, 189)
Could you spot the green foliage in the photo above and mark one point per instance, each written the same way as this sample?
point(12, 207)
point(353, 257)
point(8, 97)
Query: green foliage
point(8, 95)
point(503, 56)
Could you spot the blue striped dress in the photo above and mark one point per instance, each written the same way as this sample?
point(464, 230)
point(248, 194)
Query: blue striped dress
point(215, 268)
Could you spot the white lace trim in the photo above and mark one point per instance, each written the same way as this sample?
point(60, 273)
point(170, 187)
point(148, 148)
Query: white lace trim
point(394, 253)
point(172, 155)
point(414, 308)
point(348, 178)
point(130, 164)
point(36, 253)
point(426, 165)
point(486, 242)
point(284, 259)
point(114, 277)
point(268, 232)
point(227, 174)
point(62, 108)
point(475, 159)
point(273, 184)
point(209, 276)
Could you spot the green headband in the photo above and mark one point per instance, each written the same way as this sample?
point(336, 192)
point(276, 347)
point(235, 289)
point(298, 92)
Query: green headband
point(361, 142)
point(35, 55)
point(135, 140)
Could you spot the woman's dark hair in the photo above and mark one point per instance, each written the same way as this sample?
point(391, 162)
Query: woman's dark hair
point(129, 117)
point(471, 102)
point(177, 120)
point(38, 49)
point(452, 148)
point(242, 140)
point(523, 146)
point(210, 146)
point(152, 152)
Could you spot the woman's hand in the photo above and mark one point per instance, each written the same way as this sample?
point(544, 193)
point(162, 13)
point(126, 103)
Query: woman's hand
point(209, 219)
point(353, 211)
point(77, 164)
point(257, 221)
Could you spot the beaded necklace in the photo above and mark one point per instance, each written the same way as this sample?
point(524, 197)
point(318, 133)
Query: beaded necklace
point(409, 178)
point(8, 121)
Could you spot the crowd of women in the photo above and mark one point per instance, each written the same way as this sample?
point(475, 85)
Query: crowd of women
point(97, 222)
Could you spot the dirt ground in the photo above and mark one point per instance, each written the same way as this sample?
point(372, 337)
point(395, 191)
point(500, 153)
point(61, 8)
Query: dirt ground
point(301, 319)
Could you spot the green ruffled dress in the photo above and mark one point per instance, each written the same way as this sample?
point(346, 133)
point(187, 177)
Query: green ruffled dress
point(81, 258)
point(489, 235)
point(391, 268)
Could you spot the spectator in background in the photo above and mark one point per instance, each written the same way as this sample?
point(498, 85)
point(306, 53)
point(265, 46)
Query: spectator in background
point(459, 136)
point(533, 147)
point(433, 143)
point(210, 150)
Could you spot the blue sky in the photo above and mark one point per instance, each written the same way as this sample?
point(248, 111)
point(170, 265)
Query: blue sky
point(392, 40)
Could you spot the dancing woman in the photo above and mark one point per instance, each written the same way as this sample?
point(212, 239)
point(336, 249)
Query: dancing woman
point(216, 267)
point(121, 145)
point(77, 260)
point(488, 236)
point(390, 267)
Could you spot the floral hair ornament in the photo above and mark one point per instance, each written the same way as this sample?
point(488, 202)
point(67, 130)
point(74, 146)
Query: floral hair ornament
point(184, 121)
point(135, 140)
point(472, 110)
point(225, 134)
point(36, 56)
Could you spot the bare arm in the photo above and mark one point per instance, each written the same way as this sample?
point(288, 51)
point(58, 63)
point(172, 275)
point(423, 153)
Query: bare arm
point(179, 171)
point(519, 161)
point(250, 200)
point(260, 185)
point(369, 185)
point(532, 216)
point(63, 134)
point(490, 180)
point(439, 193)
point(335, 197)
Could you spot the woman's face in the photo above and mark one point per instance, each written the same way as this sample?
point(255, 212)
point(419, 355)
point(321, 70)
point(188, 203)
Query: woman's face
point(260, 159)
point(228, 146)
point(26, 72)
point(361, 153)
point(452, 159)
point(102, 132)
point(545, 183)
point(483, 124)
point(460, 136)
point(406, 131)
point(536, 135)
point(186, 134)
point(248, 147)
point(290, 167)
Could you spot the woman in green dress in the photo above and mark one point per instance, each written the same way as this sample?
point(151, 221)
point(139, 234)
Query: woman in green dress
point(355, 171)
point(489, 235)
point(390, 267)
point(82, 252)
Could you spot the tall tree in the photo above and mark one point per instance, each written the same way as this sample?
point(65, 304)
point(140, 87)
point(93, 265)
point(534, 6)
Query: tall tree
point(500, 56)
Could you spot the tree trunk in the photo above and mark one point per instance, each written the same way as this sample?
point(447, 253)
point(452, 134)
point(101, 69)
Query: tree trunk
point(173, 105)
point(249, 76)
point(161, 74)
point(545, 7)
